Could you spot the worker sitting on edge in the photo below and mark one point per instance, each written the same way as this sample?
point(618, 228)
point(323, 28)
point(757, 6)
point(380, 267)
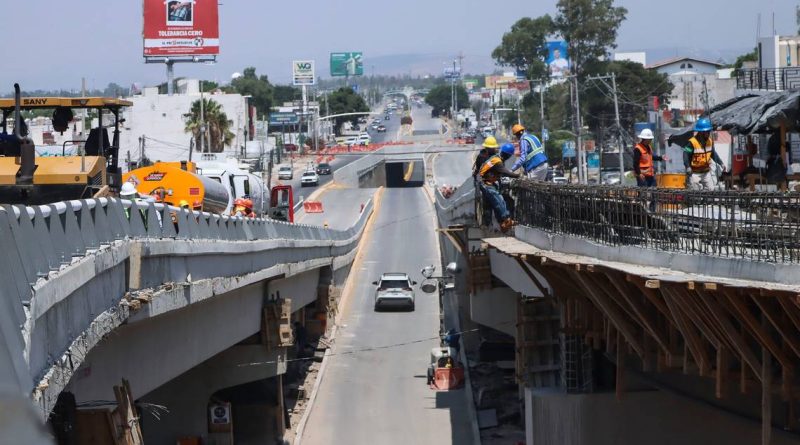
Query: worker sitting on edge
point(531, 155)
point(489, 149)
point(643, 158)
point(491, 171)
point(697, 157)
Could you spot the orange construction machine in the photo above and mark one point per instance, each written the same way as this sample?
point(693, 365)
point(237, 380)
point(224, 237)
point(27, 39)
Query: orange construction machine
point(176, 182)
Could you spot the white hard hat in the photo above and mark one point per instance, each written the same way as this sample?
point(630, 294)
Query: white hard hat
point(127, 190)
point(646, 134)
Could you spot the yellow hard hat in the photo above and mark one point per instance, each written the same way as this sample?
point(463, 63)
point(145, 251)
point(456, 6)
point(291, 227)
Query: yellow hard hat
point(517, 128)
point(490, 142)
point(183, 203)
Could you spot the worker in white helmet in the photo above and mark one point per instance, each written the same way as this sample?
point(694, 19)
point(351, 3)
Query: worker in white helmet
point(643, 158)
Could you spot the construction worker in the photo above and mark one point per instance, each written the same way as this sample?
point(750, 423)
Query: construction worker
point(128, 191)
point(489, 149)
point(239, 208)
point(697, 157)
point(643, 158)
point(531, 154)
point(490, 173)
point(248, 208)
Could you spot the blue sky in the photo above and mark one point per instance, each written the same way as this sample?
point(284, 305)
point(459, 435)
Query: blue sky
point(52, 44)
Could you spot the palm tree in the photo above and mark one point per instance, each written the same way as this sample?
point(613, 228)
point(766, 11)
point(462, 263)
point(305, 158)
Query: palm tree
point(217, 125)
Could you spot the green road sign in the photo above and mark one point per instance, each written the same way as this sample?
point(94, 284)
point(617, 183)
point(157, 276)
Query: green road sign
point(347, 64)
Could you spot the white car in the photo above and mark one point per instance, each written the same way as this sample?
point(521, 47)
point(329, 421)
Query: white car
point(310, 177)
point(285, 172)
point(560, 180)
point(364, 139)
point(351, 141)
point(394, 289)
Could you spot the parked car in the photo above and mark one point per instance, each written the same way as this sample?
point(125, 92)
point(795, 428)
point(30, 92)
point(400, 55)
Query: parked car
point(351, 141)
point(285, 172)
point(323, 168)
point(381, 128)
point(309, 178)
point(394, 289)
point(560, 180)
point(364, 139)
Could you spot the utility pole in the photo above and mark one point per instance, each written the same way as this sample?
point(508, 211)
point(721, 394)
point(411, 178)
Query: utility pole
point(619, 128)
point(617, 124)
point(541, 113)
point(202, 122)
point(576, 110)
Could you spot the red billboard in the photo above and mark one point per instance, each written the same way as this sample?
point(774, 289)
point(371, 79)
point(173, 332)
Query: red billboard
point(181, 28)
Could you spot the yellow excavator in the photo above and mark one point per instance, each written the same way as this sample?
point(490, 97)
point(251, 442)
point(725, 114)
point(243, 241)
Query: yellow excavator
point(28, 179)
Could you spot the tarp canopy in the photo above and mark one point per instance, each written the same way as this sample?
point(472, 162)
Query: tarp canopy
point(753, 114)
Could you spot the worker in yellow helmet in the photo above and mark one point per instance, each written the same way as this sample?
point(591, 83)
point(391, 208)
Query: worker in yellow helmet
point(489, 149)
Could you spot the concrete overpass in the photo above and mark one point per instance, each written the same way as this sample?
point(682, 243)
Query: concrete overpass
point(96, 291)
point(640, 305)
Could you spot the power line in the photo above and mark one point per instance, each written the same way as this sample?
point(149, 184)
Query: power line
point(368, 349)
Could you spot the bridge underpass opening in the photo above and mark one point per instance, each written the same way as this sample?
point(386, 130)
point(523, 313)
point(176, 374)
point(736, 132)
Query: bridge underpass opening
point(402, 174)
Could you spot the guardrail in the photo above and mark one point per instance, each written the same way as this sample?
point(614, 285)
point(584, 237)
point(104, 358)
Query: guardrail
point(754, 226)
point(64, 270)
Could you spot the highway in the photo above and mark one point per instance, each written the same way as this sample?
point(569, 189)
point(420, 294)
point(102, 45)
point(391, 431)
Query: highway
point(392, 127)
point(381, 396)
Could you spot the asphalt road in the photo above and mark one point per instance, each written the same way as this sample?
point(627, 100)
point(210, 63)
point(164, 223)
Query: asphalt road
point(381, 396)
point(392, 127)
point(341, 208)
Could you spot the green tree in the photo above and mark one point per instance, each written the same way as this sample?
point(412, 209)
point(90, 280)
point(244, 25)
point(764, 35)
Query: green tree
point(590, 29)
point(524, 47)
point(440, 98)
point(344, 100)
point(217, 125)
point(752, 56)
point(258, 87)
point(635, 85)
point(286, 93)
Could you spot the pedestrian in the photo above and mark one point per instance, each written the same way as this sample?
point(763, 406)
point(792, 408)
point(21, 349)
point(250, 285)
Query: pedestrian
point(643, 158)
point(489, 149)
point(531, 155)
point(697, 157)
point(490, 173)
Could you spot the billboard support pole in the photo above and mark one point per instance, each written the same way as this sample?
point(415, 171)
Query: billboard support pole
point(170, 76)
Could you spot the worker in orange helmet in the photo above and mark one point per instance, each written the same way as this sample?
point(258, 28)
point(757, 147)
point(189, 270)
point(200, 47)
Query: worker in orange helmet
point(248, 208)
point(239, 207)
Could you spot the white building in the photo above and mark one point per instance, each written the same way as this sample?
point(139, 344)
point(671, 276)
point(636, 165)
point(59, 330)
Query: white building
point(698, 84)
point(685, 66)
point(639, 57)
point(161, 121)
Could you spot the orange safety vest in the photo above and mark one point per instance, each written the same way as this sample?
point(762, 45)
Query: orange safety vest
point(645, 160)
point(490, 177)
point(701, 156)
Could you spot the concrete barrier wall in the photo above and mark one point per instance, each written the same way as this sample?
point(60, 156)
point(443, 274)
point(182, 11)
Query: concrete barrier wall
point(66, 268)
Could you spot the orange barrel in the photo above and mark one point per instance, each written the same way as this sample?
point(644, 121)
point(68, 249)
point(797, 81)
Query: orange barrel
point(671, 181)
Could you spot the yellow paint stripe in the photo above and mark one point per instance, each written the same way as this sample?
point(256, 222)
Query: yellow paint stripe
point(355, 267)
point(409, 172)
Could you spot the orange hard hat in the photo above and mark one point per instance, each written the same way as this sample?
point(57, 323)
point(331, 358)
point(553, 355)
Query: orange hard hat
point(238, 202)
point(517, 128)
point(248, 203)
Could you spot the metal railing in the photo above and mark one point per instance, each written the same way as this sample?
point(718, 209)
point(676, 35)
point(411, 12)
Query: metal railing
point(757, 226)
point(770, 79)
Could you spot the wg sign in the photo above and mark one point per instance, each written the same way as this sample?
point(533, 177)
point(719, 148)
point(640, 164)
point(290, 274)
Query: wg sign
point(303, 72)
